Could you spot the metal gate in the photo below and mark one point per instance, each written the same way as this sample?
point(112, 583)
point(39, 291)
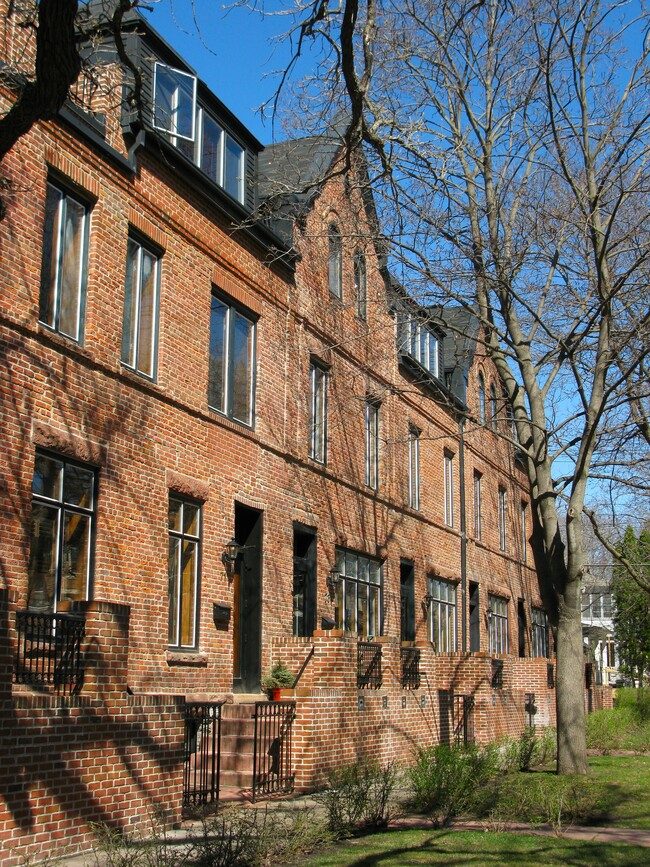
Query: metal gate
point(464, 719)
point(202, 753)
point(272, 761)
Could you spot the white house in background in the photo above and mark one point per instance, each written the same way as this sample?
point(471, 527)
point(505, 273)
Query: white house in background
point(598, 628)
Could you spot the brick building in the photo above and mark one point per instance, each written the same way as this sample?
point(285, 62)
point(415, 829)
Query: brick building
point(180, 374)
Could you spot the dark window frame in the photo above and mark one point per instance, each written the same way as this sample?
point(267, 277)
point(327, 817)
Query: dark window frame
point(335, 261)
point(131, 338)
point(182, 535)
point(443, 615)
point(224, 396)
point(361, 285)
point(372, 408)
point(318, 399)
point(348, 562)
point(498, 623)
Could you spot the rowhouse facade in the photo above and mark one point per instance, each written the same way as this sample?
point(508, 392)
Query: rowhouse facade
point(231, 441)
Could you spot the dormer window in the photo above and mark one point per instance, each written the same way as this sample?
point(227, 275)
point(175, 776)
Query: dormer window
point(174, 101)
point(420, 342)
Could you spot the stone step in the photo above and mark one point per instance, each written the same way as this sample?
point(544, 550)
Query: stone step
point(236, 779)
point(236, 762)
point(237, 742)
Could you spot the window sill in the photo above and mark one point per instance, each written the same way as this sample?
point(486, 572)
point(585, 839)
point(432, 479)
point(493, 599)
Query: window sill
point(194, 660)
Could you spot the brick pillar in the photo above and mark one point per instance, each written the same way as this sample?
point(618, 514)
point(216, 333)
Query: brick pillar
point(105, 652)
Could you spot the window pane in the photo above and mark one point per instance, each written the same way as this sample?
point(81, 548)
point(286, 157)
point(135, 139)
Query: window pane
point(130, 302)
point(364, 569)
point(360, 284)
point(174, 101)
point(174, 555)
point(350, 564)
point(175, 512)
point(373, 611)
point(242, 368)
point(233, 181)
point(43, 556)
point(375, 572)
point(362, 611)
point(48, 473)
point(78, 486)
point(350, 606)
point(433, 354)
point(211, 148)
point(75, 556)
point(71, 269)
point(218, 348)
point(191, 519)
point(188, 593)
point(147, 324)
point(335, 261)
point(49, 266)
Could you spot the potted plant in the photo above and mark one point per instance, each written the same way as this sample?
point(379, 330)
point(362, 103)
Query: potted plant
point(279, 677)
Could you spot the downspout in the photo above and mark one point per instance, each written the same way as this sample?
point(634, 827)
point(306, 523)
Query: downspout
point(463, 532)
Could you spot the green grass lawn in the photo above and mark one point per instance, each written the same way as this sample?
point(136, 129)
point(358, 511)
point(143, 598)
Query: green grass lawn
point(475, 847)
point(626, 780)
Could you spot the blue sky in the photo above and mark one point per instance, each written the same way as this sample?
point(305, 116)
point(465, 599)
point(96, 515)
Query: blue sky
point(230, 50)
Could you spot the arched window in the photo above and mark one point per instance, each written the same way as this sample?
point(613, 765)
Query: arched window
point(335, 260)
point(481, 399)
point(493, 407)
point(360, 291)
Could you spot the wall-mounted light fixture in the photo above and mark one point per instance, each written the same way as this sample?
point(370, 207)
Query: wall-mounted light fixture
point(333, 580)
point(428, 599)
point(229, 556)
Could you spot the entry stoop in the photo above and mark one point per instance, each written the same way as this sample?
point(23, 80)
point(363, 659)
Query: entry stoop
point(237, 750)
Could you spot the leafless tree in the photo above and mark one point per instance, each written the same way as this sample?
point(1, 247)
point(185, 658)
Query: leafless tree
point(508, 148)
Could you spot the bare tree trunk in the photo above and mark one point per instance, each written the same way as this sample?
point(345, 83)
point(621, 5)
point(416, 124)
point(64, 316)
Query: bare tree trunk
point(570, 702)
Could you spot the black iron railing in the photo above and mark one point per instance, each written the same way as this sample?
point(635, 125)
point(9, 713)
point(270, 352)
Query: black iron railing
point(48, 651)
point(272, 760)
point(497, 673)
point(530, 708)
point(201, 754)
point(410, 659)
point(464, 719)
point(368, 664)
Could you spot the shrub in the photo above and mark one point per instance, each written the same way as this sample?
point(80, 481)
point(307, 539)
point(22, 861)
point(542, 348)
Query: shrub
point(546, 798)
point(358, 796)
point(449, 780)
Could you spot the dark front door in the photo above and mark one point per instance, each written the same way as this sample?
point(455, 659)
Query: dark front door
point(304, 580)
point(247, 627)
point(521, 627)
point(407, 601)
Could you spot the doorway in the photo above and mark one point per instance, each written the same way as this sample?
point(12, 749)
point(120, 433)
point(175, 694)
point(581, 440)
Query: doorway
point(304, 580)
point(247, 595)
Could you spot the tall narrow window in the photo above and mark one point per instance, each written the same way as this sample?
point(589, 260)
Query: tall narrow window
point(231, 375)
point(481, 399)
point(503, 517)
point(524, 531)
point(359, 594)
point(414, 468)
point(539, 633)
point(233, 168)
point(498, 623)
point(140, 328)
point(494, 421)
point(64, 263)
point(360, 285)
point(318, 413)
point(372, 444)
point(478, 505)
point(449, 488)
point(442, 615)
point(335, 260)
point(63, 524)
point(184, 564)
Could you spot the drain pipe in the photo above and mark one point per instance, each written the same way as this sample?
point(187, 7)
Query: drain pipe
point(463, 532)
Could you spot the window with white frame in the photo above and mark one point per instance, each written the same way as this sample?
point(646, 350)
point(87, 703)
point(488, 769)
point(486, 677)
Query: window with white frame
point(478, 505)
point(498, 623)
point(64, 266)
point(360, 285)
point(372, 444)
point(442, 615)
point(140, 327)
point(184, 523)
point(62, 532)
point(359, 594)
point(174, 101)
point(420, 342)
point(524, 531)
point(449, 488)
point(414, 468)
point(539, 633)
point(503, 518)
point(231, 374)
point(318, 378)
point(335, 276)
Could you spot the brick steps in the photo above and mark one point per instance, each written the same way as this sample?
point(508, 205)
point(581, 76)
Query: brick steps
point(237, 748)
